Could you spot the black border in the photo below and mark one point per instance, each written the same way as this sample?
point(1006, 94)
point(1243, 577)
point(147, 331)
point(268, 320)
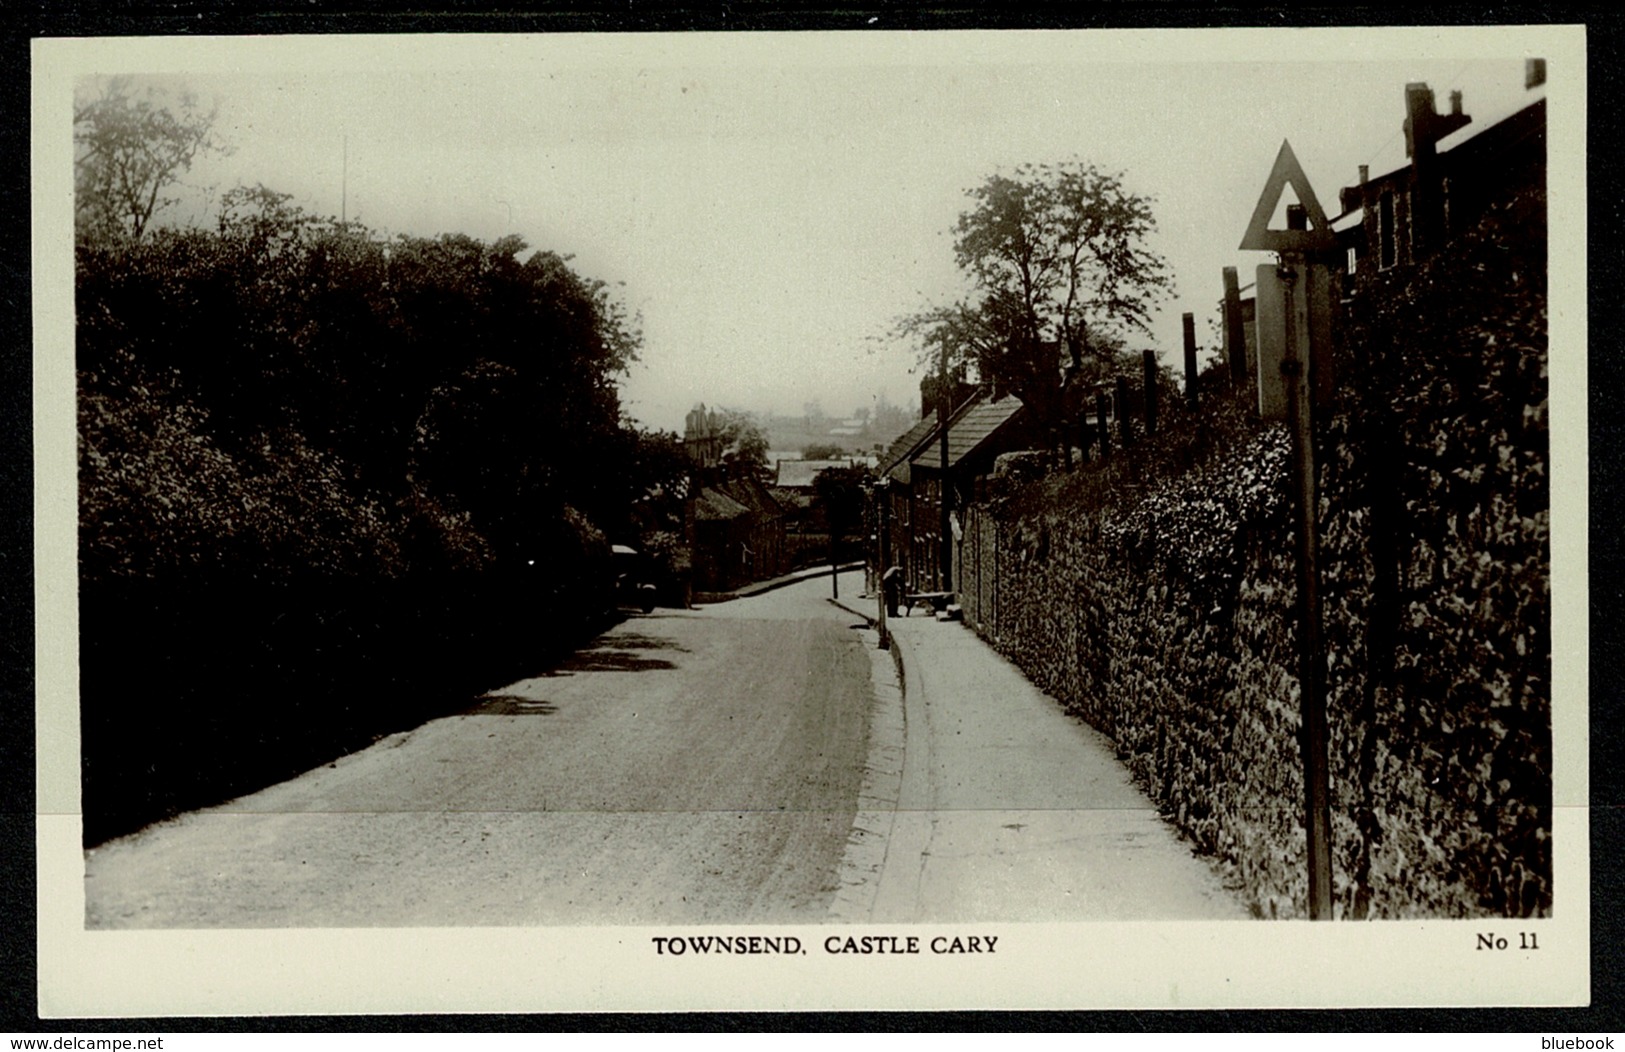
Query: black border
point(21, 23)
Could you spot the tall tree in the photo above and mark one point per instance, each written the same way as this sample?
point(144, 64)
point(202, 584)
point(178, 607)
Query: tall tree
point(1061, 269)
point(131, 145)
point(744, 444)
point(839, 491)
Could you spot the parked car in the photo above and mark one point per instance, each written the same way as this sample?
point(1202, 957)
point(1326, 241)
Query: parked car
point(633, 586)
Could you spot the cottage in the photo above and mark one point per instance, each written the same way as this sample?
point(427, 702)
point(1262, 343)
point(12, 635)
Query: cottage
point(979, 430)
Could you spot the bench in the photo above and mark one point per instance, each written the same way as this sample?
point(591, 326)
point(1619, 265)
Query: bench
point(938, 601)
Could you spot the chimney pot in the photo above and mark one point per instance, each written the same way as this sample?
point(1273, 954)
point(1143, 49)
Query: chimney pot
point(1455, 104)
point(1365, 174)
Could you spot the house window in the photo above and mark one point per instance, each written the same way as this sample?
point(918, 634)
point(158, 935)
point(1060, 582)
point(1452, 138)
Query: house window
point(1385, 230)
point(1354, 259)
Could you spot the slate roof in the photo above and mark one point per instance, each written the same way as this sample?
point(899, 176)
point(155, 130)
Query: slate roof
point(711, 506)
point(798, 474)
point(791, 499)
point(894, 462)
point(753, 495)
point(968, 429)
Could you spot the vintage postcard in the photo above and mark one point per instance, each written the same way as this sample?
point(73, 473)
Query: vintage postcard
point(816, 520)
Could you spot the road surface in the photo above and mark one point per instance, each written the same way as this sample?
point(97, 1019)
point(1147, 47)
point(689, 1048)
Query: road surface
point(687, 767)
point(751, 762)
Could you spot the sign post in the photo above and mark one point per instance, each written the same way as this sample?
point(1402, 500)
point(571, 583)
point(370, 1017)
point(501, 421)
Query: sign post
point(1291, 342)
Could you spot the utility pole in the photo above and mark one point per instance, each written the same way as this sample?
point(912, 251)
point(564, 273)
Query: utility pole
point(882, 492)
point(1191, 396)
point(1235, 331)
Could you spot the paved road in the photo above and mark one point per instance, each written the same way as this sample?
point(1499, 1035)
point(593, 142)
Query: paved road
point(691, 766)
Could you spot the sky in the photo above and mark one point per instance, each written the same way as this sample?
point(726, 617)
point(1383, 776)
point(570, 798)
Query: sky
point(770, 204)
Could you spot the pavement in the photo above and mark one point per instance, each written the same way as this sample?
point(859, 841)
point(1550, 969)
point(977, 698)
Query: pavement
point(984, 799)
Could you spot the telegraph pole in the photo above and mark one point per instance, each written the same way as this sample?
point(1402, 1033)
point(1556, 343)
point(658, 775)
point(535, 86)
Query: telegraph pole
point(882, 492)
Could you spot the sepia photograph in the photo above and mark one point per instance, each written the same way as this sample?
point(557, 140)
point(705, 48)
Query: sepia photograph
point(869, 514)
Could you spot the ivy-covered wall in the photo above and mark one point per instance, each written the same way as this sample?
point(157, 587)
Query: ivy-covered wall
point(1153, 594)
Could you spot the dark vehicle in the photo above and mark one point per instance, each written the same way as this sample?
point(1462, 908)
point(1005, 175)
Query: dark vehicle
point(632, 584)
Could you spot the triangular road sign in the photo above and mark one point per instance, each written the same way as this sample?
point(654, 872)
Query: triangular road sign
point(1260, 237)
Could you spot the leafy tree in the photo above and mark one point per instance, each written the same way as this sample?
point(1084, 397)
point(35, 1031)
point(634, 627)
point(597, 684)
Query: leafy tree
point(658, 478)
point(839, 491)
point(130, 147)
point(744, 444)
point(1061, 270)
point(822, 451)
point(313, 453)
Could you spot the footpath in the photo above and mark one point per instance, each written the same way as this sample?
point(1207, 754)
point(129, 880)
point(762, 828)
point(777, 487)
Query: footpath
point(985, 800)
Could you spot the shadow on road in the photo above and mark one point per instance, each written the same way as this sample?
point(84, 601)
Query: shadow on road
point(607, 661)
point(512, 705)
point(635, 641)
point(616, 654)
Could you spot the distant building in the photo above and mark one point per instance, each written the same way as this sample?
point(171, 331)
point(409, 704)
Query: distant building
point(807, 530)
point(979, 430)
point(799, 474)
point(702, 437)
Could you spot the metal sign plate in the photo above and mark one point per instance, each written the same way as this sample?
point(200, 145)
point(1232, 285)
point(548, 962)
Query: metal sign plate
point(1259, 237)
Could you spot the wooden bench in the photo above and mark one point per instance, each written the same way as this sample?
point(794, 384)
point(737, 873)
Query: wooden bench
point(938, 601)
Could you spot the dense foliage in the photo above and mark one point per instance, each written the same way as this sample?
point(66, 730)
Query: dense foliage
point(328, 478)
point(320, 400)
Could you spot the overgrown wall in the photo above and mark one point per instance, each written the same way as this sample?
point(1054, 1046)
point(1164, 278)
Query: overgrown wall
point(1154, 595)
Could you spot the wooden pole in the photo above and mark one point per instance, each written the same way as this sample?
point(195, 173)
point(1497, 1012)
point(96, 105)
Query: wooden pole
point(1311, 647)
point(1101, 425)
point(1148, 360)
point(1189, 321)
point(834, 566)
point(1235, 333)
point(882, 492)
point(1125, 428)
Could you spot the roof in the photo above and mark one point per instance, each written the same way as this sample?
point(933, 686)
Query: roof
point(753, 495)
point(1465, 144)
point(799, 474)
point(791, 499)
point(712, 506)
point(894, 462)
point(972, 426)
